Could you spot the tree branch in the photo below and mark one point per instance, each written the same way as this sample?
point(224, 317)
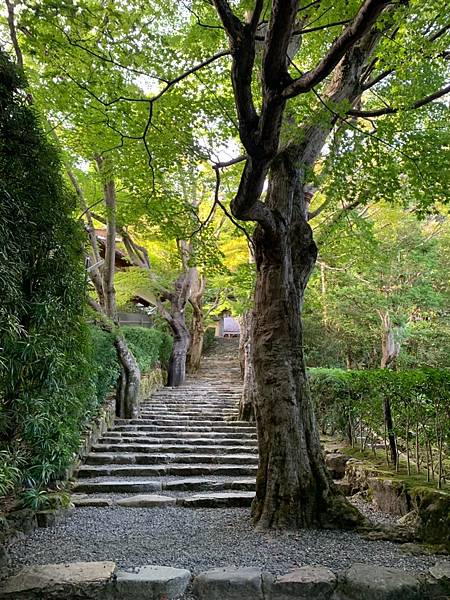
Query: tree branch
point(13, 33)
point(366, 17)
point(233, 25)
point(389, 110)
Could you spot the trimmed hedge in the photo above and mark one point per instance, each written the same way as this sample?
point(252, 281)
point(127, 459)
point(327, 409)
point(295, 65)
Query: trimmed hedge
point(150, 347)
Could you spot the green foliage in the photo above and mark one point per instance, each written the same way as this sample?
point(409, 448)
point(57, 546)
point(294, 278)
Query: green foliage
point(105, 366)
point(36, 498)
point(44, 382)
point(149, 346)
point(351, 403)
point(208, 339)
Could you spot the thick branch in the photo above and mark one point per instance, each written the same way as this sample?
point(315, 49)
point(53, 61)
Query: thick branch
point(232, 24)
point(366, 17)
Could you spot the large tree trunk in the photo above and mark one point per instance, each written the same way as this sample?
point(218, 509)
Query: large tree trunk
point(293, 487)
point(181, 340)
point(127, 405)
point(247, 402)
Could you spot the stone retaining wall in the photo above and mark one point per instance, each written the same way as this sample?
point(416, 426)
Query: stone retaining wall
point(101, 581)
point(426, 509)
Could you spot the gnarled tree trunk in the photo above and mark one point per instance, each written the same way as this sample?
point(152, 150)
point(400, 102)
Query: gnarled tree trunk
point(198, 322)
point(247, 402)
point(181, 340)
point(293, 487)
point(127, 405)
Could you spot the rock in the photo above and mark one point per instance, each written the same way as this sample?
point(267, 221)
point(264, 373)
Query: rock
point(23, 520)
point(344, 486)
point(336, 463)
point(410, 519)
point(373, 582)
point(413, 549)
point(229, 584)
point(46, 518)
point(90, 501)
point(4, 560)
point(390, 496)
point(304, 583)
point(400, 534)
point(147, 501)
point(437, 583)
point(151, 583)
point(434, 516)
point(59, 582)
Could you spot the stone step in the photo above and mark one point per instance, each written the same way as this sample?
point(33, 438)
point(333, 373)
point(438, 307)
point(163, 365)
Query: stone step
point(183, 448)
point(140, 437)
point(178, 425)
point(167, 469)
point(199, 421)
point(193, 415)
point(133, 430)
point(87, 472)
point(189, 484)
point(133, 455)
point(218, 500)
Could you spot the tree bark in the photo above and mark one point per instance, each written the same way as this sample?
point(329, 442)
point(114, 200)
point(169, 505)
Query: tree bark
point(181, 340)
point(177, 322)
point(128, 390)
point(293, 487)
point(390, 351)
point(247, 402)
point(198, 323)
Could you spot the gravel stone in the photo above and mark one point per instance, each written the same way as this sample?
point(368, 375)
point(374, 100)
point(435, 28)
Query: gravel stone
point(199, 540)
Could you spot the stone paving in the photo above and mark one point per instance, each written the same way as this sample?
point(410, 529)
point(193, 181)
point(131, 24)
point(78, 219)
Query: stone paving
point(188, 447)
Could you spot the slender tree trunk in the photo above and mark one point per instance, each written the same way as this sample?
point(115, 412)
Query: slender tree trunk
point(390, 350)
point(293, 487)
point(110, 252)
point(129, 381)
point(247, 402)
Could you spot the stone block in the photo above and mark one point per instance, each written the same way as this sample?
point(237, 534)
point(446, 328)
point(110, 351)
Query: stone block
point(373, 582)
point(83, 501)
point(229, 584)
point(437, 585)
point(336, 463)
point(302, 584)
point(73, 581)
point(147, 501)
point(151, 583)
point(390, 496)
point(46, 518)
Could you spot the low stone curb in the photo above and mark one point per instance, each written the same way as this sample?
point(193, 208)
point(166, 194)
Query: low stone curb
point(95, 581)
point(360, 582)
point(101, 581)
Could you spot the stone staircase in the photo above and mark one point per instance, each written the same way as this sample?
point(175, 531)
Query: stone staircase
point(188, 448)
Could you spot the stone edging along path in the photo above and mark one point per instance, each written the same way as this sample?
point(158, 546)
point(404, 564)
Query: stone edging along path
point(101, 581)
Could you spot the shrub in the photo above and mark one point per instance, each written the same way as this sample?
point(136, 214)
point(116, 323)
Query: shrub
point(106, 368)
point(45, 390)
point(208, 339)
point(149, 346)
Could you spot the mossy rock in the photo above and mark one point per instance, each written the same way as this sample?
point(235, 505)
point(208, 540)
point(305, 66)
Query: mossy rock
point(433, 508)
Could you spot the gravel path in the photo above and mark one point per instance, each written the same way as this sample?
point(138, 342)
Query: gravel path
point(199, 539)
